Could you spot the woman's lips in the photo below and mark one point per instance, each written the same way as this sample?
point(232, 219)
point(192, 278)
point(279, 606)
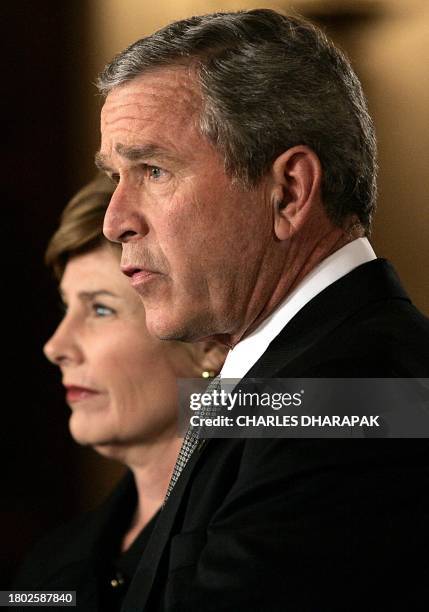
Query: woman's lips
point(76, 394)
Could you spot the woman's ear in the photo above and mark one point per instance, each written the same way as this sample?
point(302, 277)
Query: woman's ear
point(209, 356)
point(297, 175)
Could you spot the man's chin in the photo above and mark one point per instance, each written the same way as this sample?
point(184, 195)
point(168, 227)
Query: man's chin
point(164, 328)
point(170, 324)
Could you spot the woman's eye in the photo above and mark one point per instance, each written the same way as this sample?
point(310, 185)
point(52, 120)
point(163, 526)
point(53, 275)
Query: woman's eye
point(102, 311)
point(114, 178)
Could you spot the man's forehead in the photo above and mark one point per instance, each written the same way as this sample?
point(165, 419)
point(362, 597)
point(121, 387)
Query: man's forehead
point(157, 108)
point(169, 88)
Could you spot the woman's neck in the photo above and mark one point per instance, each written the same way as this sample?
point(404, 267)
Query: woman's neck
point(152, 470)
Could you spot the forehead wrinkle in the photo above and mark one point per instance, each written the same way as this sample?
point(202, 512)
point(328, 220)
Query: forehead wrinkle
point(161, 85)
point(148, 114)
point(131, 144)
point(143, 110)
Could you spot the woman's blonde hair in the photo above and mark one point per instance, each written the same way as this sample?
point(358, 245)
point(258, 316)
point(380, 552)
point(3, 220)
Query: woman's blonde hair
point(81, 224)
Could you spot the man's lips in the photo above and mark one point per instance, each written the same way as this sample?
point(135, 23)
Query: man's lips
point(76, 394)
point(138, 276)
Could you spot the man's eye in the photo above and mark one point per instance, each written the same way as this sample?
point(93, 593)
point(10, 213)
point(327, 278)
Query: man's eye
point(102, 311)
point(114, 178)
point(155, 172)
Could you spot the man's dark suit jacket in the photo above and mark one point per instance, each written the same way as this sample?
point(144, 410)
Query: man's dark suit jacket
point(316, 524)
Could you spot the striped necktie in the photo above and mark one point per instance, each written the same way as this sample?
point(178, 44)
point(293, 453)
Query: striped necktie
point(191, 439)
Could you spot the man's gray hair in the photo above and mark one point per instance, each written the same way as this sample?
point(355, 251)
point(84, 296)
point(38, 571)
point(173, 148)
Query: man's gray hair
point(269, 82)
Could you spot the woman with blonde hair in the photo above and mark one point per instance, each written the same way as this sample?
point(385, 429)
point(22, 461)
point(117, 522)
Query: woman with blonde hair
point(121, 386)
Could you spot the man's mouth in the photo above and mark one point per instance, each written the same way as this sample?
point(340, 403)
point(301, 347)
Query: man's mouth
point(139, 276)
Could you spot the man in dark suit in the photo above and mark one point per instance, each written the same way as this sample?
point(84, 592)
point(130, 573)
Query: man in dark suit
point(244, 158)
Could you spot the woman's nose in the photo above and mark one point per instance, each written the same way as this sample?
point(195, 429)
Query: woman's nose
point(62, 347)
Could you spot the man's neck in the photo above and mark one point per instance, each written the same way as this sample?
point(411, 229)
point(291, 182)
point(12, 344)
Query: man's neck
point(330, 270)
point(301, 257)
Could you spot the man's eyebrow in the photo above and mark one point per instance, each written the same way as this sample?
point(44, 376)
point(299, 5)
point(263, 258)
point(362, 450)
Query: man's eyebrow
point(100, 161)
point(141, 152)
point(134, 153)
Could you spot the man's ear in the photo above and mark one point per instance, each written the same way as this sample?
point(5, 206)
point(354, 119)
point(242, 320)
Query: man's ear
point(297, 180)
point(209, 356)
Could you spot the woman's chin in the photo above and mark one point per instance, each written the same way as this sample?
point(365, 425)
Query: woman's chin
point(90, 434)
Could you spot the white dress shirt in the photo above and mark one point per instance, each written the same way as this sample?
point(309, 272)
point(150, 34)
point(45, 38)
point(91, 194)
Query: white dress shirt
point(247, 352)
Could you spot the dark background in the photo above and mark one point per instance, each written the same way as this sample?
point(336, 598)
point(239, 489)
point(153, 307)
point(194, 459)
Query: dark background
point(44, 42)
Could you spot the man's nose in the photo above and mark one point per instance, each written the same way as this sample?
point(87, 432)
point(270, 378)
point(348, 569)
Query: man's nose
point(124, 218)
